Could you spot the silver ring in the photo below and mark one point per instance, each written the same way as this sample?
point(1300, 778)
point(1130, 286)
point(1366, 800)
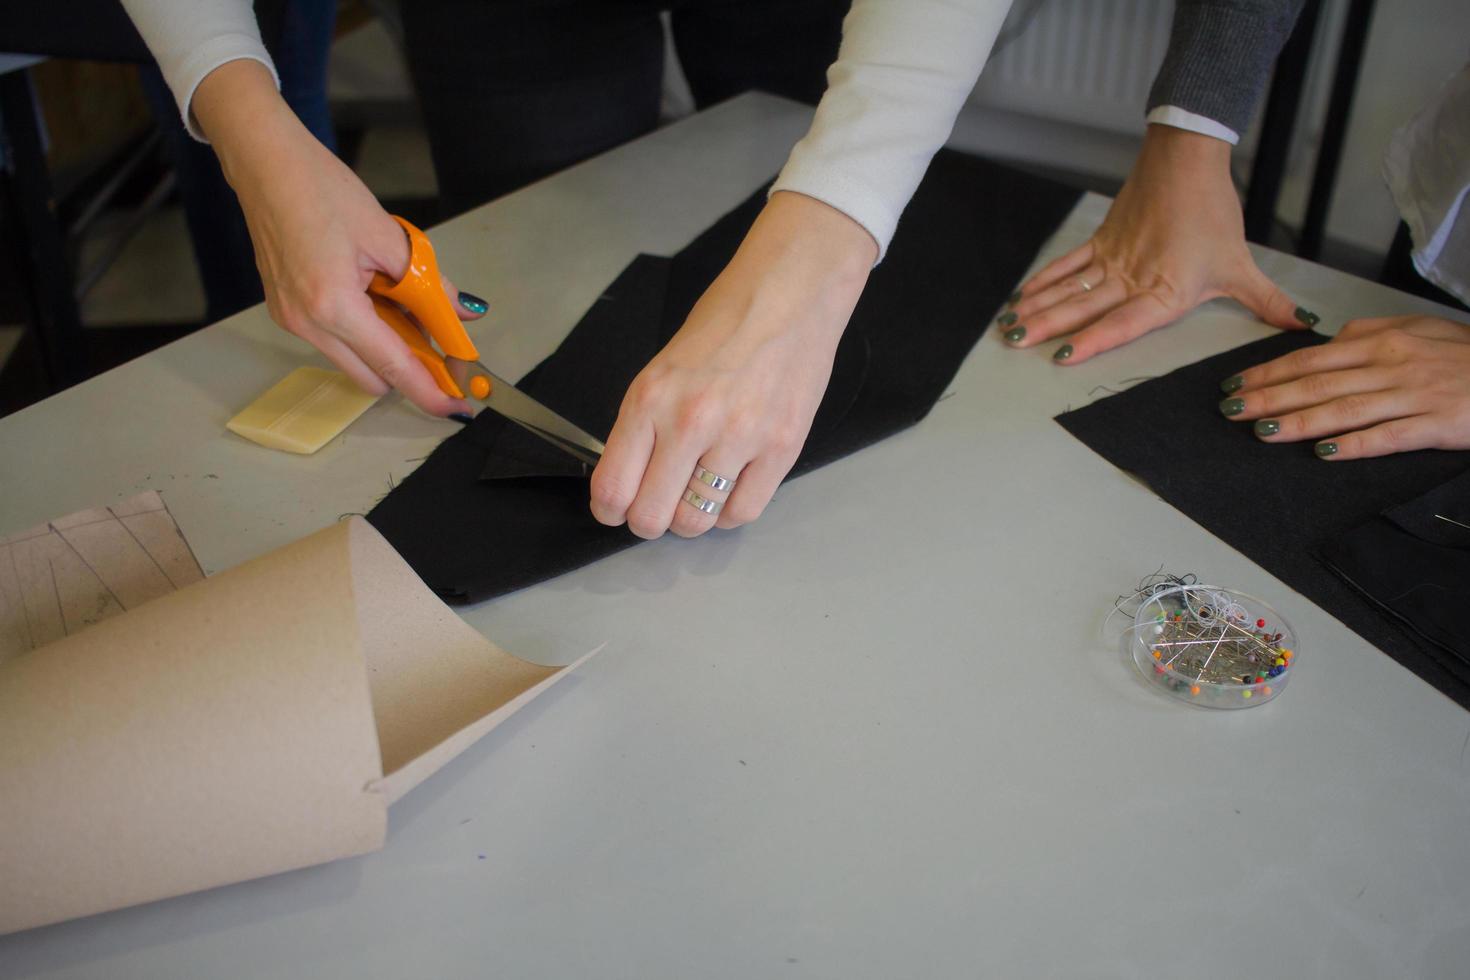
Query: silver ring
point(711, 480)
point(702, 503)
point(1086, 286)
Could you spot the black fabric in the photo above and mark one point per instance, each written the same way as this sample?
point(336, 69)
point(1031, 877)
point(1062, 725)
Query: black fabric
point(1277, 504)
point(1413, 562)
point(493, 509)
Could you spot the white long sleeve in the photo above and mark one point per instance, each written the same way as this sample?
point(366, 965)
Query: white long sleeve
point(903, 72)
point(901, 77)
point(191, 38)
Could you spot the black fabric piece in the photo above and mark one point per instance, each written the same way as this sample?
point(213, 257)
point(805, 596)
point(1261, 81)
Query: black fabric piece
point(1277, 504)
point(493, 509)
point(1414, 563)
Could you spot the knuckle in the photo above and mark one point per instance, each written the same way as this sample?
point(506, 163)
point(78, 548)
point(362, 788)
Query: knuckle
point(691, 523)
point(609, 494)
point(742, 430)
point(393, 372)
point(320, 306)
point(1293, 426)
point(743, 511)
point(646, 520)
point(786, 441)
point(1317, 387)
point(1306, 360)
point(646, 524)
point(1395, 436)
point(698, 412)
point(1351, 407)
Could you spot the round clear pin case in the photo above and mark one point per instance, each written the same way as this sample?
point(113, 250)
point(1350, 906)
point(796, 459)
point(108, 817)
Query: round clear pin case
point(1213, 647)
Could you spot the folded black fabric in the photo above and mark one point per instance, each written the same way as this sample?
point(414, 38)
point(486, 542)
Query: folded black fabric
point(1413, 562)
point(493, 509)
point(1278, 504)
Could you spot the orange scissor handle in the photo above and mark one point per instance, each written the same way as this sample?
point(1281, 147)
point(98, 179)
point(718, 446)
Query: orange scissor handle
point(418, 345)
point(421, 292)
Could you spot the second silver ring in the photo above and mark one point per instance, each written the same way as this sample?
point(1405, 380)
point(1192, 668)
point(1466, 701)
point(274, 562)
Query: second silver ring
point(694, 500)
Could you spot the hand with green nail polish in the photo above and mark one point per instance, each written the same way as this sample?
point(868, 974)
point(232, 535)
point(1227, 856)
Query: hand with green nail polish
point(1173, 239)
point(1381, 386)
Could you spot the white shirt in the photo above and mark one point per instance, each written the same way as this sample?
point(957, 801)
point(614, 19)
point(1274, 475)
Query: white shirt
point(1172, 115)
point(1427, 167)
point(904, 70)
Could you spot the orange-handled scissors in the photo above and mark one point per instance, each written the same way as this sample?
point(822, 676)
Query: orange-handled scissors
point(418, 300)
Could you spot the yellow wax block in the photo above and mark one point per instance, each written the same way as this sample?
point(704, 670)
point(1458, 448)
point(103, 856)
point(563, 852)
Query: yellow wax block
point(303, 411)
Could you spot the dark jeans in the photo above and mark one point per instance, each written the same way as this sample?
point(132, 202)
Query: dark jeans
point(222, 246)
point(513, 90)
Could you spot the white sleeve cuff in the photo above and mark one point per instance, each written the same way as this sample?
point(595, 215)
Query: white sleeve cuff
point(1172, 115)
point(185, 78)
point(863, 204)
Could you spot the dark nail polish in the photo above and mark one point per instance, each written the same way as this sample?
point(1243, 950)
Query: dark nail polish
point(1325, 449)
point(1267, 427)
point(472, 302)
point(1014, 298)
point(1232, 384)
point(1006, 319)
point(1232, 406)
point(1063, 352)
point(1015, 335)
point(463, 418)
point(1307, 317)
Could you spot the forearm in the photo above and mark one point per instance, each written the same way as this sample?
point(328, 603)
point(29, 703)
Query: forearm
point(903, 72)
point(190, 39)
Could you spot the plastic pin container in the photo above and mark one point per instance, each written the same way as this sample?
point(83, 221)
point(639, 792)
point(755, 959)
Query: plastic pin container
point(1213, 647)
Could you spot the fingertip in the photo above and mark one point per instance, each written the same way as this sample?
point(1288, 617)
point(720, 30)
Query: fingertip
point(471, 306)
point(466, 304)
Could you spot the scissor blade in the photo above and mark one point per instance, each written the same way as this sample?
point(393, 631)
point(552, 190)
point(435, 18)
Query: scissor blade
point(509, 401)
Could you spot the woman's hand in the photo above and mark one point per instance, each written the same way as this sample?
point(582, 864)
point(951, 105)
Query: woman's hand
point(1386, 385)
point(319, 234)
point(737, 387)
point(1173, 238)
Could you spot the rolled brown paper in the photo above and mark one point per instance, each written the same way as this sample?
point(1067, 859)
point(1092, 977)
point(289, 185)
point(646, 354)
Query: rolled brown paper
point(258, 721)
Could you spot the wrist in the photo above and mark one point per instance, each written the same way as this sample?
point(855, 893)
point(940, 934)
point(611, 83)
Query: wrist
point(240, 111)
point(1184, 147)
point(812, 241)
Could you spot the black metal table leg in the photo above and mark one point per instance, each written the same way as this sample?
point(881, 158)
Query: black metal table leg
point(1278, 125)
point(55, 318)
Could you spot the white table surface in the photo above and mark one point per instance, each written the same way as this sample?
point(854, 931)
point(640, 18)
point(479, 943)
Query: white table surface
point(876, 734)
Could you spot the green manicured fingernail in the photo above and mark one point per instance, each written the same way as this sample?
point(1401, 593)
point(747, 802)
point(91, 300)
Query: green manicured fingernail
point(1006, 319)
point(1063, 352)
point(1232, 384)
point(1232, 406)
point(1307, 317)
point(1014, 298)
point(1015, 335)
point(1267, 427)
point(1325, 449)
point(472, 302)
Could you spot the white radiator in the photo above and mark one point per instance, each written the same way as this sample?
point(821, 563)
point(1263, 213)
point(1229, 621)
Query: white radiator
point(1087, 62)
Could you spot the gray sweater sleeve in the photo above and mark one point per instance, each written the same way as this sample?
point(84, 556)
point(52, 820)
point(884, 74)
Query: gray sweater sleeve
point(1220, 55)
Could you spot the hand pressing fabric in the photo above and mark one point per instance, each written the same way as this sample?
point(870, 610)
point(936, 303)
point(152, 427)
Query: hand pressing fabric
point(319, 234)
point(1173, 239)
point(711, 426)
point(1381, 386)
